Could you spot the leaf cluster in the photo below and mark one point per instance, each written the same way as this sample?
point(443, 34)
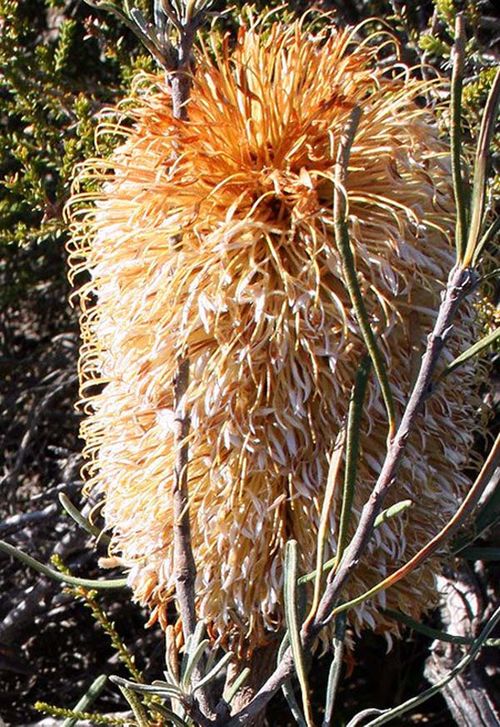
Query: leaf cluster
point(60, 65)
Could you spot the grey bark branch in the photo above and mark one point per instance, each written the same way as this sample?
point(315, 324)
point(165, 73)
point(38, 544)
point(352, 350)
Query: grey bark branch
point(185, 567)
point(184, 563)
point(17, 522)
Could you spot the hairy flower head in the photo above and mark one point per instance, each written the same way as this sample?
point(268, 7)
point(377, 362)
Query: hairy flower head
point(214, 239)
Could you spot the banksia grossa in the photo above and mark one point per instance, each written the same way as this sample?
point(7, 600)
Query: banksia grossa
point(213, 239)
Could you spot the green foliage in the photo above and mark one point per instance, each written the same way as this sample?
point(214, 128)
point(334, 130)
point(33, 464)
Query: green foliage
point(48, 106)
point(61, 712)
point(89, 598)
point(48, 110)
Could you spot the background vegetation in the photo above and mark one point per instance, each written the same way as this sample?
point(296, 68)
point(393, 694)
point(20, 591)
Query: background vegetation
point(60, 63)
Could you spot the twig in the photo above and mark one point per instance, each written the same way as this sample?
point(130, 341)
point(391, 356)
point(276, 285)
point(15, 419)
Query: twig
point(184, 563)
point(185, 567)
point(184, 19)
point(17, 522)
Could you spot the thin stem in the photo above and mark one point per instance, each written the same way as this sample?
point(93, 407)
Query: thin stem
point(185, 566)
point(459, 283)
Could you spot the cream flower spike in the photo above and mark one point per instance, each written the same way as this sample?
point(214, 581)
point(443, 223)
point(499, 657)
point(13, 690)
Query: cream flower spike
point(255, 297)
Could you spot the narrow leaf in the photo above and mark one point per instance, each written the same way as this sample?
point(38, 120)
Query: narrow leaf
point(81, 520)
point(88, 699)
point(293, 705)
point(489, 512)
point(335, 669)
point(158, 688)
point(214, 671)
point(456, 134)
point(193, 661)
point(474, 350)
point(352, 453)
point(287, 687)
point(349, 269)
point(478, 553)
point(436, 634)
point(293, 623)
point(488, 237)
point(323, 530)
point(392, 511)
point(136, 706)
point(173, 718)
point(233, 688)
point(195, 647)
point(481, 169)
point(55, 575)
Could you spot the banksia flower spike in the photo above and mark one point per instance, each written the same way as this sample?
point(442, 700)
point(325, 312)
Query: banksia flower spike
point(214, 239)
